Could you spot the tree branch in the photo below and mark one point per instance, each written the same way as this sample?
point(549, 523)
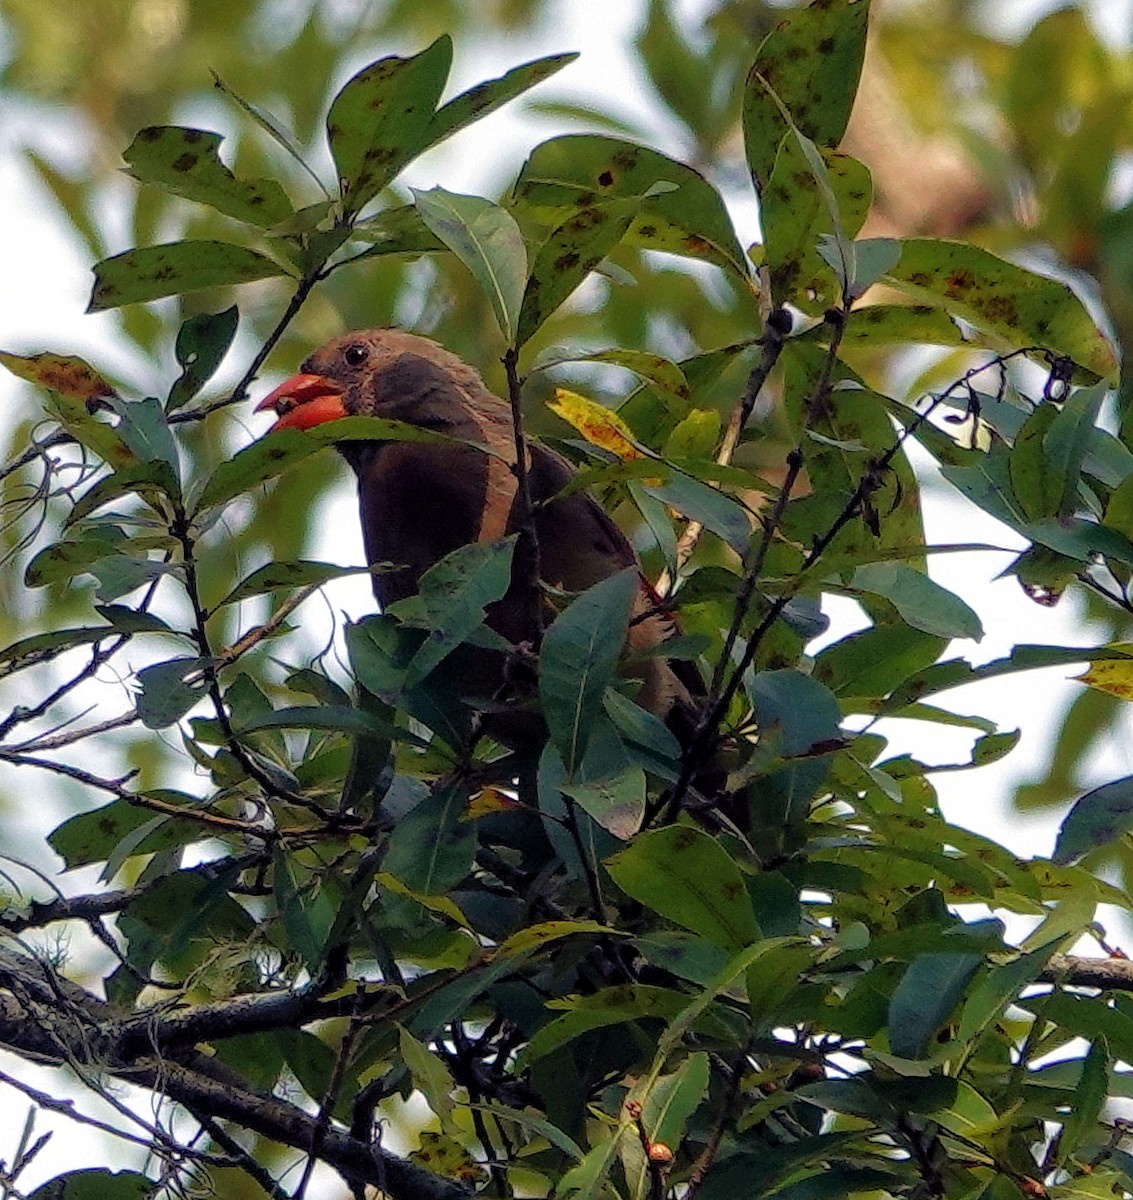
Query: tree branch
point(47, 1019)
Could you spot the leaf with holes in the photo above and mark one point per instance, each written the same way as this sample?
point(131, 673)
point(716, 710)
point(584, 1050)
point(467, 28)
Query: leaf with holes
point(187, 163)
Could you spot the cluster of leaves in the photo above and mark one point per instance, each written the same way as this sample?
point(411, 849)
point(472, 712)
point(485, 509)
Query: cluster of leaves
point(593, 991)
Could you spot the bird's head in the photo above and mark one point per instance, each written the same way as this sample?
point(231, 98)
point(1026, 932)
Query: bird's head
point(379, 372)
point(335, 381)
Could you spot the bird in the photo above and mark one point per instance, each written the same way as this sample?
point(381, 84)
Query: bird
point(419, 501)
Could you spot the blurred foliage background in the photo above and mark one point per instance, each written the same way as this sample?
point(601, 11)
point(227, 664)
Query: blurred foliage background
point(1006, 123)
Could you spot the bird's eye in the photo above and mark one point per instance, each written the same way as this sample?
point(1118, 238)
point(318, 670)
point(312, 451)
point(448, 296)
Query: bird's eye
point(354, 356)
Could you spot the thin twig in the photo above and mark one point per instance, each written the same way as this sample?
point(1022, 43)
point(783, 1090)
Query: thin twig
point(772, 342)
point(57, 741)
point(529, 538)
point(240, 391)
point(180, 529)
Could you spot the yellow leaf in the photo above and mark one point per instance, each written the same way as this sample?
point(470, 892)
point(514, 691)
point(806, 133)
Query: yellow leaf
point(62, 373)
point(1112, 675)
point(487, 801)
point(599, 425)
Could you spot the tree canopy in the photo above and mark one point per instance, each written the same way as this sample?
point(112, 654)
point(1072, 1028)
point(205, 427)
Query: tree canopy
point(326, 922)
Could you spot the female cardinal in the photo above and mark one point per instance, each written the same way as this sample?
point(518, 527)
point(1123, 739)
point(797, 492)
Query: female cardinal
point(418, 502)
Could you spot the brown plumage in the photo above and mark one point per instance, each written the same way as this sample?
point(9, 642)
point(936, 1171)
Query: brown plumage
point(419, 502)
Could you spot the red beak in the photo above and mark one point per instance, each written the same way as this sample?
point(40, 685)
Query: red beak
point(304, 401)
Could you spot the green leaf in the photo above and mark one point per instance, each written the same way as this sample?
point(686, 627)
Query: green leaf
point(923, 604)
point(66, 559)
point(43, 647)
point(954, 672)
point(1081, 1126)
point(431, 850)
point(453, 596)
point(795, 212)
point(118, 574)
point(714, 509)
point(381, 119)
point(569, 172)
point(1037, 486)
point(397, 230)
point(331, 718)
point(811, 63)
point(306, 907)
point(579, 660)
point(1000, 987)
point(686, 876)
point(661, 372)
point(666, 1102)
point(487, 241)
point(585, 1180)
point(618, 1006)
point(143, 427)
point(925, 998)
point(187, 163)
point(617, 804)
point(91, 431)
point(271, 126)
point(638, 727)
point(151, 481)
point(568, 256)
point(430, 1076)
point(287, 576)
point(1015, 306)
point(486, 97)
point(886, 324)
point(95, 1183)
point(799, 719)
point(534, 937)
point(1096, 819)
point(1068, 440)
point(96, 836)
point(202, 342)
point(151, 272)
point(272, 454)
point(169, 690)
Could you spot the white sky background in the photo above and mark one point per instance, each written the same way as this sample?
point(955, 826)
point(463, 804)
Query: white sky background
point(44, 286)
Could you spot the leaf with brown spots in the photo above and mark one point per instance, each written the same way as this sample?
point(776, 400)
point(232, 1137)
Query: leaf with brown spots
point(578, 169)
point(1010, 305)
point(533, 937)
point(565, 259)
point(885, 324)
point(104, 440)
point(811, 63)
point(187, 163)
point(795, 213)
point(152, 272)
point(381, 119)
point(1113, 676)
point(486, 97)
point(63, 373)
point(599, 425)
